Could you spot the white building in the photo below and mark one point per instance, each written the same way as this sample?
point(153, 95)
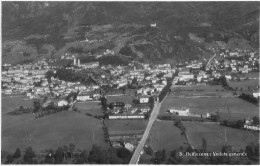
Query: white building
point(62, 103)
point(181, 111)
point(129, 147)
point(144, 99)
point(256, 94)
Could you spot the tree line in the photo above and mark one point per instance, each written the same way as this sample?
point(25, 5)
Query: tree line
point(177, 156)
point(249, 98)
point(68, 155)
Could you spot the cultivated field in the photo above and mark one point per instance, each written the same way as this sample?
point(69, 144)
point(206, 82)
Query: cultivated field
point(93, 108)
point(215, 136)
point(51, 131)
point(164, 135)
point(116, 127)
point(228, 107)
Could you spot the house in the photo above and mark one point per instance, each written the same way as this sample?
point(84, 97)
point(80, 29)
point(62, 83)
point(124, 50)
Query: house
point(153, 25)
point(181, 111)
point(185, 75)
point(90, 65)
point(62, 103)
point(252, 127)
point(143, 99)
point(85, 96)
point(145, 109)
point(129, 146)
point(228, 77)
point(256, 94)
point(116, 145)
point(80, 87)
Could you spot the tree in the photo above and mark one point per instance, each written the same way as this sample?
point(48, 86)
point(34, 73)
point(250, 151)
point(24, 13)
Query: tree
point(95, 155)
point(71, 149)
point(239, 124)
point(9, 159)
point(255, 120)
point(124, 154)
point(28, 156)
point(104, 103)
point(21, 108)
point(17, 153)
point(84, 156)
point(36, 105)
point(58, 156)
point(48, 75)
point(160, 156)
point(204, 144)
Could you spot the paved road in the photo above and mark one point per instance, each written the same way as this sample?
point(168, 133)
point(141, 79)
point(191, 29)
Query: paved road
point(139, 148)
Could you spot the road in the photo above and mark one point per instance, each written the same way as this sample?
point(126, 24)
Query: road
point(139, 148)
point(211, 59)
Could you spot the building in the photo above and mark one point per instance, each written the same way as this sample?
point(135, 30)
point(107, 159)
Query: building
point(126, 117)
point(256, 94)
point(84, 97)
point(62, 103)
point(129, 146)
point(89, 65)
point(143, 99)
point(181, 111)
point(153, 25)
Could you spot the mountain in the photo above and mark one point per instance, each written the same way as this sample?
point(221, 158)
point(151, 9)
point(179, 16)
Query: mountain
point(184, 30)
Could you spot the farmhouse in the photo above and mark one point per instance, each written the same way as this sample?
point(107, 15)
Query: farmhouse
point(181, 111)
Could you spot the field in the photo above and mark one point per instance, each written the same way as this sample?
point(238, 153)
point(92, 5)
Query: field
point(200, 90)
point(246, 86)
point(253, 75)
point(215, 136)
point(127, 99)
point(116, 127)
point(9, 103)
point(93, 108)
point(229, 107)
point(50, 131)
point(164, 135)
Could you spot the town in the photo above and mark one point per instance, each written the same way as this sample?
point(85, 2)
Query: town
point(129, 92)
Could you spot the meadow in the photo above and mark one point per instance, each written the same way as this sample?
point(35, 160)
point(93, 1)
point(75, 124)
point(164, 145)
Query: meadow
point(93, 108)
point(117, 127)
point(200, 90)
point(9, 103)
point(244, 86)
point(215, 136)
point(230, 108)
point(164, 135)
point(51, 131)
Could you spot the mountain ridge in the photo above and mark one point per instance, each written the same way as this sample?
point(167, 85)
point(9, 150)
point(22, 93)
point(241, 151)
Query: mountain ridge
point(52, 26)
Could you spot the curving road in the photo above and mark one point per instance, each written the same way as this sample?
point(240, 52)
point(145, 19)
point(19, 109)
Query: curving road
point(139, 148)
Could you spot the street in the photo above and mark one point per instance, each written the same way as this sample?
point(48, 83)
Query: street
point(139, 148)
